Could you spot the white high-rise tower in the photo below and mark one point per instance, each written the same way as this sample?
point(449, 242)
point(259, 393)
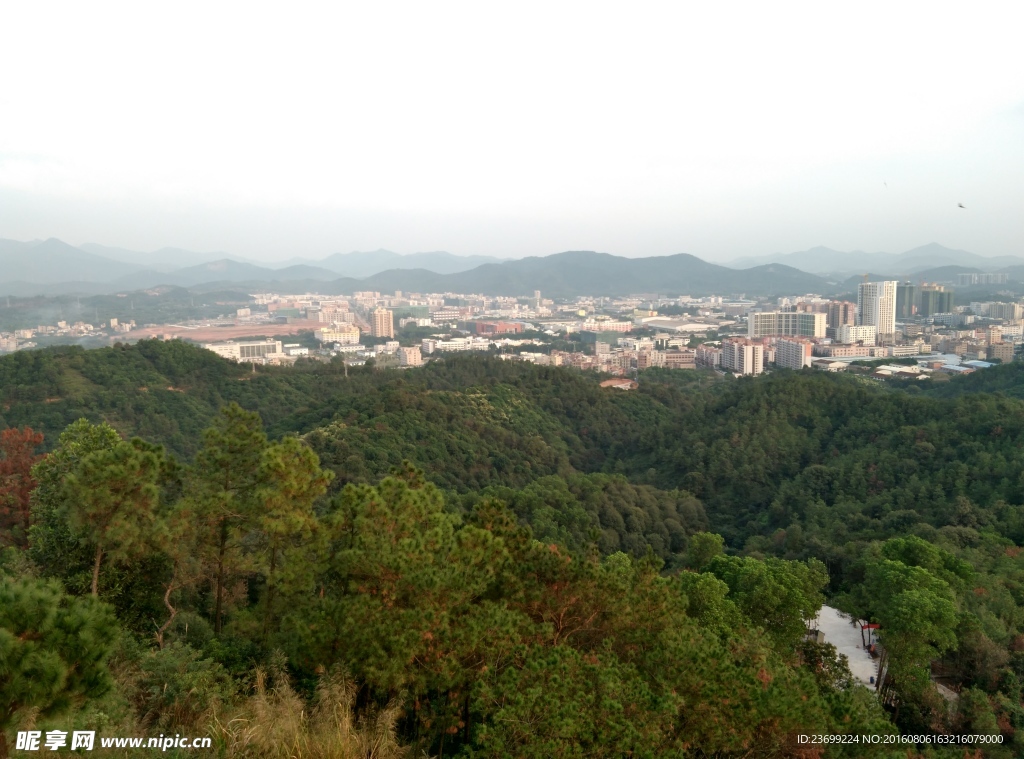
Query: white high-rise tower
point(876, 306)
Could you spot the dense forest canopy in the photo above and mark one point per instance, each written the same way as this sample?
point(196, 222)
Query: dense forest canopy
point(491, 558)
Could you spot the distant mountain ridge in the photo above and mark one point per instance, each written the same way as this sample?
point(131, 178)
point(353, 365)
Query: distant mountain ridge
point(163, 260)
point(356, 264)
point(366, 264)
point(575, 273)
point(225, 270)
point(54, 267)
point(826, 261)
point(53, 261)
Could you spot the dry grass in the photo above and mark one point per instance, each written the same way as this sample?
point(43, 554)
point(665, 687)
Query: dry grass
point(276, 723)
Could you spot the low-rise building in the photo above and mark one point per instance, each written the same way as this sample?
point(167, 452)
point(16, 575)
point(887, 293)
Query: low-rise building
point(410, 356)
point(342, 334)
point(1001, 351)
point(258, 351)
point(681, 359)
point(850, 333)
point(498, 328)
point(606, 326)
point(830, 365)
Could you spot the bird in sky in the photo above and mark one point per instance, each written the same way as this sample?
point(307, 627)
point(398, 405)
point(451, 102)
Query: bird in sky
point(962, 206)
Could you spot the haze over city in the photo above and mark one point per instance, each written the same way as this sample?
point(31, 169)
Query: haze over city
point(719, 131)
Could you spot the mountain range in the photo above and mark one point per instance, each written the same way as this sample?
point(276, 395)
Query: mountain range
point(52, 267)
point(835, 263)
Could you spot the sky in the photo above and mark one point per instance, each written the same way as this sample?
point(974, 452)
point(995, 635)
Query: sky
point(725, 130)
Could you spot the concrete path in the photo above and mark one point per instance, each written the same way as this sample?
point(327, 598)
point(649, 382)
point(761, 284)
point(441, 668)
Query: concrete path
point(845, 636)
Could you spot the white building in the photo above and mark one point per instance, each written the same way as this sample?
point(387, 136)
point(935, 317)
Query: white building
point(742, 356)
point(793, 353)
point(876, 306)
point(342, 334)
point(258, 351)
point(606, 326)
point(849, 333)
point(456, 344)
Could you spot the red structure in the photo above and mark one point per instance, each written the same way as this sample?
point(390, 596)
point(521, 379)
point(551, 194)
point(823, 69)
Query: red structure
point(498, 328)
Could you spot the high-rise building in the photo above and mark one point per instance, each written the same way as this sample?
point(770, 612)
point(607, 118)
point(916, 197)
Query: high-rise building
point(876, 306)
point(383, 323)
point(742, 356)
point(796, 324)
point(793, 352)
point(906, 300)
point(838, 313)
point(841, 312)
point(981, 278)
point(1012, 311)
point(935, 299)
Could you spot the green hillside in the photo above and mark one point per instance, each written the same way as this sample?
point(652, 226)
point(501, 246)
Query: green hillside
point(512, 561)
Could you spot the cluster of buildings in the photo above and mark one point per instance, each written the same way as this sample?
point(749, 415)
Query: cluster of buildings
point(21, 339)
point(625, 356)
point(889, 320)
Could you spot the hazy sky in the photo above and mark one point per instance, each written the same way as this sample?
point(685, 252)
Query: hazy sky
point(715, 128)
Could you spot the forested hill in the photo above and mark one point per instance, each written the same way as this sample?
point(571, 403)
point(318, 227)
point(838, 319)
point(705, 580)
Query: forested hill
point(829, 456)
point(912, 500)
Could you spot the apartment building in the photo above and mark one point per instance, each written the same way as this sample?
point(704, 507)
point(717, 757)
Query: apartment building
point(793, 352)
point(876, 306)
point(744, 356)
point(856, 334)
point(708, 355)
point(1002, 351)
point(839, 313)
point(383, 324)
point(410, 356)
point(790, 323)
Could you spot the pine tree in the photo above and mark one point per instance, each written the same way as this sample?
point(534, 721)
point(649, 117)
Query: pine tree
point(113, 496)
point(287, 527)
point(53, 546)
point(53, 650)
point(224, 493)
